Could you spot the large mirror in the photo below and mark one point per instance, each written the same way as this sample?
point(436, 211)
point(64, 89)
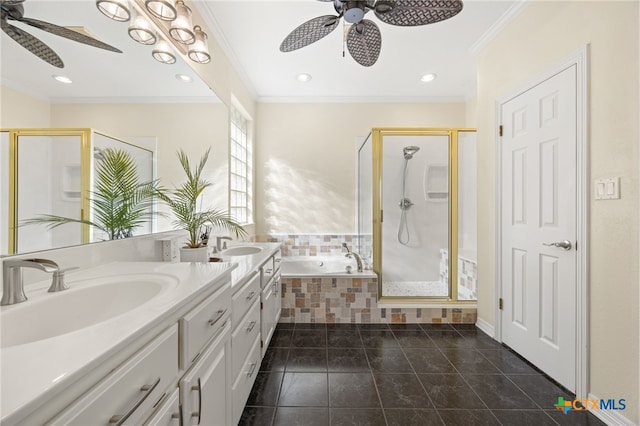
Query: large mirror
point(128, 95)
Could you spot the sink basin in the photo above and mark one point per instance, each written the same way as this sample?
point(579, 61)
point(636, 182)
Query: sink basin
point(241, 251)
point(86, 303)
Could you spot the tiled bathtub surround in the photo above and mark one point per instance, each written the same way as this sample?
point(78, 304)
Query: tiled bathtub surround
point(344, 300)
point(318, 244)
point(354, 300)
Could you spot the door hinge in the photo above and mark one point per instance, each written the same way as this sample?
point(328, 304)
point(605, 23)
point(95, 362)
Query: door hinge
point(500, 130)
point(576, 246)
point(500, 303)
point(261, 306)
point(381, 216)
point(261, 343)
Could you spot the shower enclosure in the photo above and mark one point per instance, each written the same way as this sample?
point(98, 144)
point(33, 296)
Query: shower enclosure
point(417, 206)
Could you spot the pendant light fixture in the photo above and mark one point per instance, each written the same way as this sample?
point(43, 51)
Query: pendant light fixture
point(180, 29)
point(118, 10)
point(141, 31)
point(162, 52)
point(199, 50)
point(162, 9)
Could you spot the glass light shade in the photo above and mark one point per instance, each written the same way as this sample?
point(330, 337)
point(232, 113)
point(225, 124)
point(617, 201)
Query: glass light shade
point(118, 10)
point(180, 29)
point(163, 53)
point(141, 31)
point(199, 50)
point(162, 9)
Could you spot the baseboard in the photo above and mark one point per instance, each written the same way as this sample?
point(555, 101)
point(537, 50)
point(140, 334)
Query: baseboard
point(610, 417)
point(486, 327)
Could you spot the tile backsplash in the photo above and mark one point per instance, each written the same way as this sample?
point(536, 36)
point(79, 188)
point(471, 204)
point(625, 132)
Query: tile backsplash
point(318, 244)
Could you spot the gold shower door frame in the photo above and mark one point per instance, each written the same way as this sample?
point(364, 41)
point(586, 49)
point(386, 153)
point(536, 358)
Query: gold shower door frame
point(452, 133)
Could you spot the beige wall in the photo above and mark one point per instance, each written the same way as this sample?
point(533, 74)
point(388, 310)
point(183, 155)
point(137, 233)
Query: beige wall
point(543, 35)
point(306, 159)
point(20, 110)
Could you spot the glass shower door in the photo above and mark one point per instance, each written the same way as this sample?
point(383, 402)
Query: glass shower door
point(415, 215)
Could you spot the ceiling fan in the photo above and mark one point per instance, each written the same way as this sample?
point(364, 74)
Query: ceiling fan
point(14, 10)
point(363, 37)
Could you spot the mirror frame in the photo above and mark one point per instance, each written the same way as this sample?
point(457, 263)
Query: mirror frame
point(86, 136)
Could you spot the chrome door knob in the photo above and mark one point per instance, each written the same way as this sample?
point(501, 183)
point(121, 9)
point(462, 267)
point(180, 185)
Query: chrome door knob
point(564, 244)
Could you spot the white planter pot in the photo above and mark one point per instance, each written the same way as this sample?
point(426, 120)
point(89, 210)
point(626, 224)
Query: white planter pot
point(200, 254)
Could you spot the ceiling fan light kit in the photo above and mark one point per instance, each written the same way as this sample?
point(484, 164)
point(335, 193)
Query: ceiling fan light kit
point(364, 40)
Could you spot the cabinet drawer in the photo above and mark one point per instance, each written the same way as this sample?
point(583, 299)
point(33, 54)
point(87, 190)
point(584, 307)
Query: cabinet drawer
point(167, 414)
point(244, 382)
point(128, 394)
point(244, 299)
point(202, 323)
point(244, 336)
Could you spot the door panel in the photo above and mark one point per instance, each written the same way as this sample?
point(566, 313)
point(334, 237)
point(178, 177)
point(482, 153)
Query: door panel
point(538, 190)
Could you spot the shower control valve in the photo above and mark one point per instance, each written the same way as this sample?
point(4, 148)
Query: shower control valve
point(405, 204)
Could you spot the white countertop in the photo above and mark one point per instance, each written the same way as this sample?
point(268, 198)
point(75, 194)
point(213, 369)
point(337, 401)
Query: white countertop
point(34, 372)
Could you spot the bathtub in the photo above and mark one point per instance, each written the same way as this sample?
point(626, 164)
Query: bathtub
point(312, 266)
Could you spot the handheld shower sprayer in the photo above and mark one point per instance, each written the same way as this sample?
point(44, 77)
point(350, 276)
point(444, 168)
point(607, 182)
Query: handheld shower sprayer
point(410, 151)
point(405, 203)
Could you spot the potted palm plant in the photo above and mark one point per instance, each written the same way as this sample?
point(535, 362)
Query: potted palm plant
point(183, 203)
point(119, 203)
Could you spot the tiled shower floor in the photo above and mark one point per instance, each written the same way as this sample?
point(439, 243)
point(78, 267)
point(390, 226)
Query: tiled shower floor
point(415, 288)
point(376, 374)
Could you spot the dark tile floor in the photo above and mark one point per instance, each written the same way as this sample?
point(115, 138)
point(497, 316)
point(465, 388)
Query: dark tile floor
point(379, 374)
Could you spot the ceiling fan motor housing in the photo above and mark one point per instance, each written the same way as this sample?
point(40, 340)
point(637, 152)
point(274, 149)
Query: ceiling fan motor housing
point(354, 11)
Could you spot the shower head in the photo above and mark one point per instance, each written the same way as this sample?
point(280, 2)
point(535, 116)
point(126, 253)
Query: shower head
point(409, 151)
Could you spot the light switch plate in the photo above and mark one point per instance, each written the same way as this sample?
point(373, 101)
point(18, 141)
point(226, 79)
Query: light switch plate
point(607, 189)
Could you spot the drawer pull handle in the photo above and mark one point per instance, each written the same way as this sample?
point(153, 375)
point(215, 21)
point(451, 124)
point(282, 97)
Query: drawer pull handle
point(252, 324)
point(251, 295)
point(199, 389)
point(278, 260)
point(118, 419)
point(220, 314)
point(252, 369)
point(178, 415)
point(268, 271)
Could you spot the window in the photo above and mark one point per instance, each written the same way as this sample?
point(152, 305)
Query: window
point(240, 167)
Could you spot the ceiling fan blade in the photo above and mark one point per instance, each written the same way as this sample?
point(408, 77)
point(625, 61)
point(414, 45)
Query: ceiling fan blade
point(11, 2)
point(364, 42)
point(69, 34)
point(309, 32)
point(32, 44)
point(407, 13)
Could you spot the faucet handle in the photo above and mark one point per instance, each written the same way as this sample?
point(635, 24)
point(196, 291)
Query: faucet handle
point(57, 282)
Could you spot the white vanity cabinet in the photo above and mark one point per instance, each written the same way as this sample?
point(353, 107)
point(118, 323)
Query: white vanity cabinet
point(270, 298)
point(204, 389)
point(130, 392)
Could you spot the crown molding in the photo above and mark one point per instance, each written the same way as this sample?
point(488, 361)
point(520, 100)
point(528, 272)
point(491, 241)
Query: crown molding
point(512, 13)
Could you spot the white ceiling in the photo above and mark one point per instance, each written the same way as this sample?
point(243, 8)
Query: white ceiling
point(250, 32)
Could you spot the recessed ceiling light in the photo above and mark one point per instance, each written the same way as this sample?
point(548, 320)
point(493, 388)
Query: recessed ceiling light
point(304, 77)
point(184, 78)
point(62, 79)
point(427, 78)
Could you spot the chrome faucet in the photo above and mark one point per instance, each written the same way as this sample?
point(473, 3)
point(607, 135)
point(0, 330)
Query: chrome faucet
point(13, 284)
point(219, 239)
point(354, 255)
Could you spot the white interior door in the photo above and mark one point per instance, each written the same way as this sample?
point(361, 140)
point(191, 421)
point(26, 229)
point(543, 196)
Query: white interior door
point(539, 207)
